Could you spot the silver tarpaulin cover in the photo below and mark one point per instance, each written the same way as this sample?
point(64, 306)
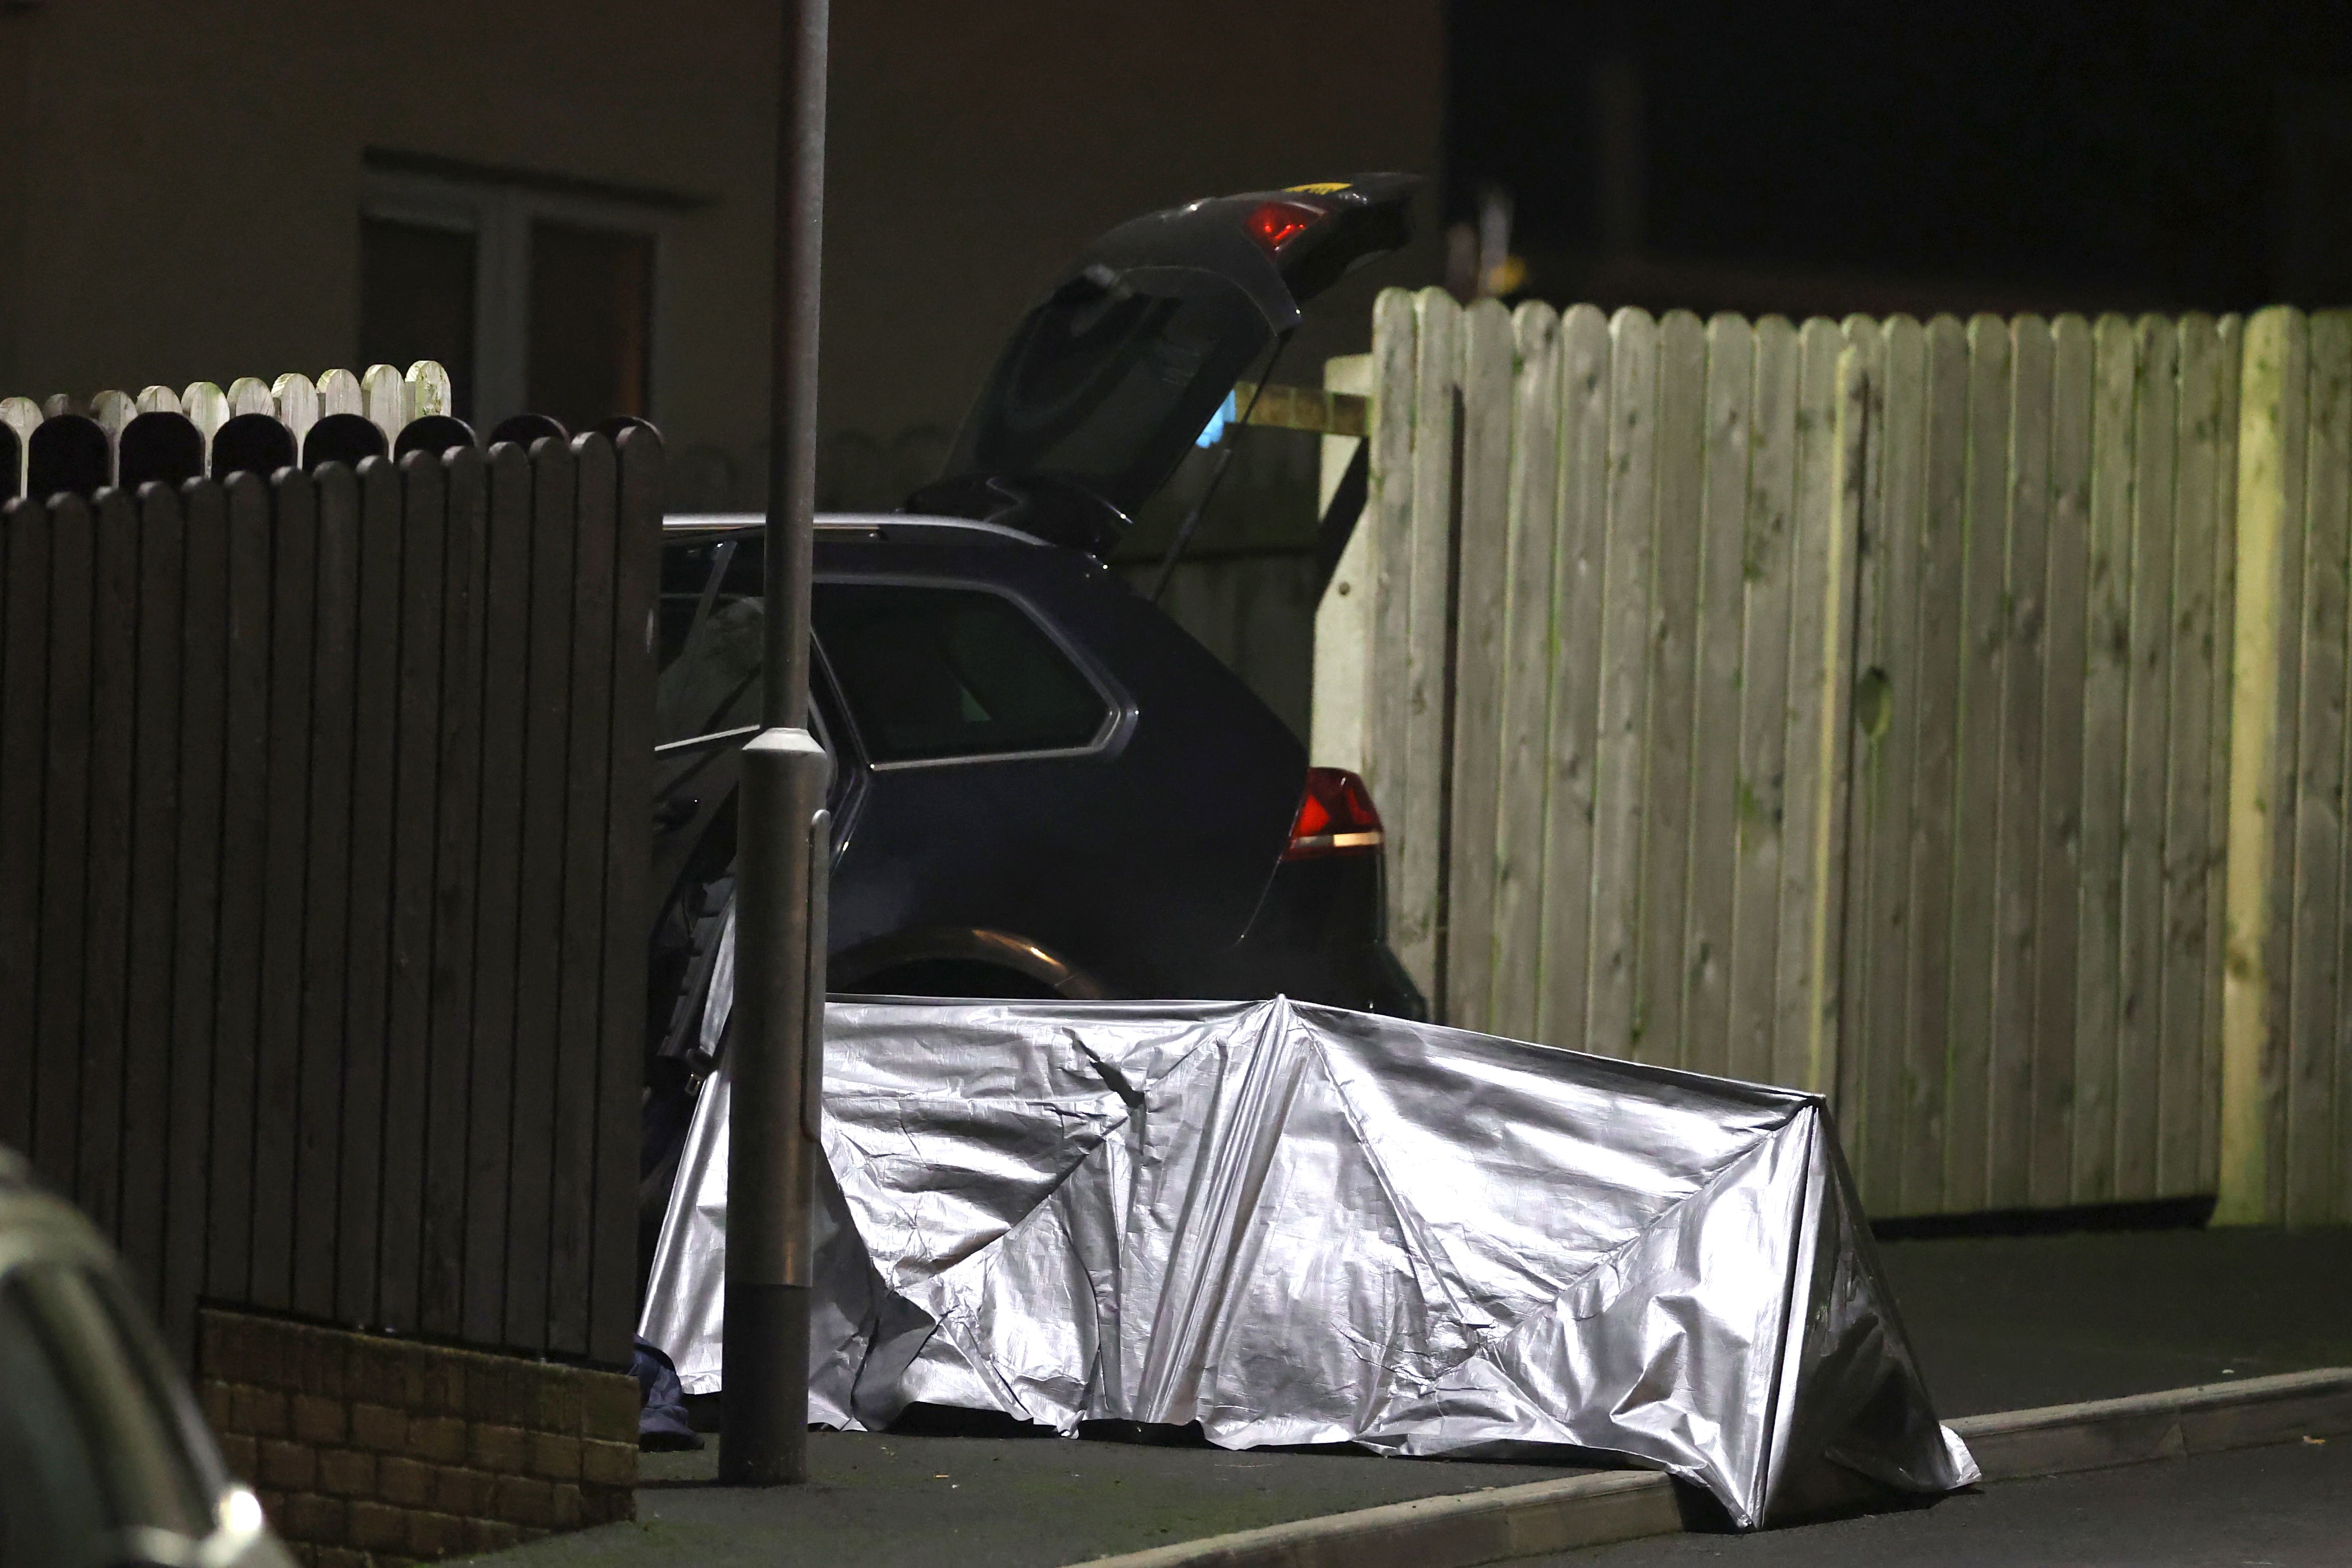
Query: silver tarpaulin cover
point(1297, 1224)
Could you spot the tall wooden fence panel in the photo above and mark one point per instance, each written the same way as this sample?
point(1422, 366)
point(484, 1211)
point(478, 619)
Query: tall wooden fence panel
point(2030, 962)
point(2287, 1029)
point(1599, 720)
point(324, 811)
point(1844, 705)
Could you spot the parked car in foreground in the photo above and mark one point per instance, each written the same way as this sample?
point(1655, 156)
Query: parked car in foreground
point(105, 1462)
point(1044, 786)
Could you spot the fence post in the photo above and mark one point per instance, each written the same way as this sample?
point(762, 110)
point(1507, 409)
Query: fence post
point(2261, 865)
point(1343, 614)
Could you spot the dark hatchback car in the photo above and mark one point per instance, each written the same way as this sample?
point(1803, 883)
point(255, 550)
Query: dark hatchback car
point(1042, 785)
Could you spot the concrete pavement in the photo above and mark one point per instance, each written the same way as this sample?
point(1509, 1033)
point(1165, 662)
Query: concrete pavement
point(895, 1502)
point(1999, 1323)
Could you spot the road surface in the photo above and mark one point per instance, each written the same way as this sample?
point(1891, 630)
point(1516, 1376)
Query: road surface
point(2286, 1507)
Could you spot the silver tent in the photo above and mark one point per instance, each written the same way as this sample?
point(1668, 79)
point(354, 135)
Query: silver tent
point(1296, 1224)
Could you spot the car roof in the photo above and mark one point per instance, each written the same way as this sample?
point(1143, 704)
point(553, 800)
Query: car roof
point(847, 528)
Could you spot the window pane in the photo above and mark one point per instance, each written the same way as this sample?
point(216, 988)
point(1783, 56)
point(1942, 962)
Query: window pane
point(938, 672)
point(590, 322)
point(416, 300)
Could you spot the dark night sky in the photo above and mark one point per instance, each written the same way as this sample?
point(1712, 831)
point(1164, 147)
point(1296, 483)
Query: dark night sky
point(2135, 149)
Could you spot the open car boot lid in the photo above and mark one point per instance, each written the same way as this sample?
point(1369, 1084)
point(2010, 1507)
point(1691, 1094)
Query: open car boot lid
point(1112, 376)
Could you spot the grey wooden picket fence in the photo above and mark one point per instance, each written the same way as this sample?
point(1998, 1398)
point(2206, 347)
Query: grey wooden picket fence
point(1855, 706)
point(323, 820)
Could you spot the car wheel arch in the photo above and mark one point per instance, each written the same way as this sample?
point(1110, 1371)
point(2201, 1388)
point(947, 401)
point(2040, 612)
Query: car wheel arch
point(857, 969)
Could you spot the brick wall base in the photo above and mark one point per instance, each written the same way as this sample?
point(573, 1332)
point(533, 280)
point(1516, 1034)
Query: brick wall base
point(369, 1451)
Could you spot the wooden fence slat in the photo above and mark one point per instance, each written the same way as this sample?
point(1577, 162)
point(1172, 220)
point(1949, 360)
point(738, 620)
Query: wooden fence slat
point(2058, 922)
point(1766, 527)
point(470, 1063)
point(628, 850)
point(114, 654)
point(2146, 742)
point(2231, 331)
point(385, 392)
point(1935, 718)
point(244, 835)
point(24, 726)
point(2313, 1151)
point(1572, 669)
point(1887, 653)
point(1579, 570)
point(429, 395)
point(2011, 1021)
point(65, 817)
point(507, 586)
point(204, 650)
point(1823, 725)
point(21, 415)
point(278, 1103)
point(588, 769)
point(2336, 396)
point(1612, 1006)
point(1481, 554)
point(206, 407)
point(1416, 843)
point(2188, 952)
point(1531, 595)
point(1974, 810)
point(2266, 676)
point(295, 401)
point(1385, 526)
point(2332, 403)
point(2107, 683)
point(1827, 487)
point(1659, 1033)
point(1862, 410)
point(329, 1051)
point(375, 723)
point(1712, 846)
point(409, 1000)
point(339, 393)
point(538, 970)
point(148, 1110)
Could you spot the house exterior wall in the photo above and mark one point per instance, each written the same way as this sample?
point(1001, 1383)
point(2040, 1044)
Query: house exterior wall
point(182, 188)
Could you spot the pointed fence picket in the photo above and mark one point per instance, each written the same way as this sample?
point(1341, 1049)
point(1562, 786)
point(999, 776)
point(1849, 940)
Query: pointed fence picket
point(385, 397)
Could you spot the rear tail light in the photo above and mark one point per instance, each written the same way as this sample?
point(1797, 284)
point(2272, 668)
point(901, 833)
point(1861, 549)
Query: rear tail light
point(1335, 817)
point(1276, 224)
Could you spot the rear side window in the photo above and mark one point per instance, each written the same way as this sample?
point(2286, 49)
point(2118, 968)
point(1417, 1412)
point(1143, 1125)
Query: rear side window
point(932, 672)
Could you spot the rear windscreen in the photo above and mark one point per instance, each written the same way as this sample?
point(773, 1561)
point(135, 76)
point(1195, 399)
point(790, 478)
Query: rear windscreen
point(936, 673)
point(1109, 382)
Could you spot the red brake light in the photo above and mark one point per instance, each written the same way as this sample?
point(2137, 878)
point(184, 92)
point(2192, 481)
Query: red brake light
point(1335, 817)
point(1275, 224)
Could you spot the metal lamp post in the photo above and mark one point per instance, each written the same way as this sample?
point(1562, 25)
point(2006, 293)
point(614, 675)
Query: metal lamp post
point(776, 1056)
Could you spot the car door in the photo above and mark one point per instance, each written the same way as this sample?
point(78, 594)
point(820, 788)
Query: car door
point(979, 737)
